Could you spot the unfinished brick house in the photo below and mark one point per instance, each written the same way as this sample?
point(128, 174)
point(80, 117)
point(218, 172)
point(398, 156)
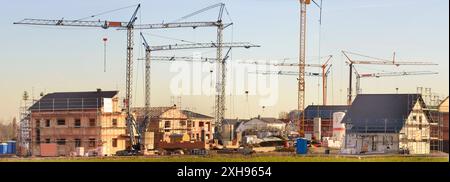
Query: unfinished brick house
point(172, 125)
point(77, 123)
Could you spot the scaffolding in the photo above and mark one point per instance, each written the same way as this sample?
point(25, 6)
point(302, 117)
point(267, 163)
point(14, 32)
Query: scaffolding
point(24, 134)
point(432, 102)
point(436, 130)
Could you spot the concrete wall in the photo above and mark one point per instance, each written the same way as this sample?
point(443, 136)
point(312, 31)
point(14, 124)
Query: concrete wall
point(372, 143)
point(109, 133)
point(326, 126)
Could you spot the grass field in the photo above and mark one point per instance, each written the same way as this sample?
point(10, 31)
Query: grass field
point(238, 159)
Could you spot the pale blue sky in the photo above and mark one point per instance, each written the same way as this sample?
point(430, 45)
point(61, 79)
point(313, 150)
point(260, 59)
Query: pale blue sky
point(55, 59)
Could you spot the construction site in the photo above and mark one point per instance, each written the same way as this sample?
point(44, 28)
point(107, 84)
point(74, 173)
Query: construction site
point(396, 117)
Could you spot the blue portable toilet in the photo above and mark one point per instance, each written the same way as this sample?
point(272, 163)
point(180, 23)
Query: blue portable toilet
point(3, 148)
point(302, 146)
point(11, 147)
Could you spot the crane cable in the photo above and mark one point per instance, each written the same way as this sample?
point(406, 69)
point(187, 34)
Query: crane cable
point(170, 38)
point(107, 12)
point(198, 12)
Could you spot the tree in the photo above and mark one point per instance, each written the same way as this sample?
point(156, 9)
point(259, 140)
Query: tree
point(283, 115)
point(8, 131)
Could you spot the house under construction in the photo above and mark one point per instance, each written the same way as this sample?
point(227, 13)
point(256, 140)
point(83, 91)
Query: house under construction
point(387, 123)
point(173, 128)
point(77, 123)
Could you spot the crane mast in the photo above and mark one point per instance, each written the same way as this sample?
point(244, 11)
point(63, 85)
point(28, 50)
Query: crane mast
point(302, 61)
point(220, 83)
point(130, 120)
point(147, 87)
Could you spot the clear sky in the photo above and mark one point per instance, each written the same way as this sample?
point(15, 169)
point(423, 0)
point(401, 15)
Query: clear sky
point(52, 59)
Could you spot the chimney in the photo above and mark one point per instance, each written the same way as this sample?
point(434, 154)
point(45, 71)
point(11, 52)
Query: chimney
point(99, 90)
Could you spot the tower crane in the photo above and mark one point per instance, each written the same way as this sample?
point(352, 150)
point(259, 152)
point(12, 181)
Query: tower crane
point(130, 27)
point(148, 51)
point(379, 61)
point(219, 111)
point(302, 58)
point(325, 67)
point(386, 74)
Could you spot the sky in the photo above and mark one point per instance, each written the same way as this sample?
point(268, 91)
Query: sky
point(54, 59)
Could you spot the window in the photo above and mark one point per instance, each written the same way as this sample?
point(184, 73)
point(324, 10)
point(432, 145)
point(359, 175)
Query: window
point(201, 124)
point(47, 123)
point(38, 123)
point(61, 141)
point(114, 142)
point(47, 140)
point(167, 126)
point(92, 123)
point(77, 142)
point(189, 123)
point(61, 122)
point(91, 142)
point(420, 126)
point(77, 123)
point(183, 123)
point(38, 136)
point(420, 119)
point(114, 122)
point(415, 118)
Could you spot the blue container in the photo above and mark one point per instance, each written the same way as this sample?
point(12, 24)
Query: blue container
point(302, 146)
point(3, 148)
point(11, 147)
